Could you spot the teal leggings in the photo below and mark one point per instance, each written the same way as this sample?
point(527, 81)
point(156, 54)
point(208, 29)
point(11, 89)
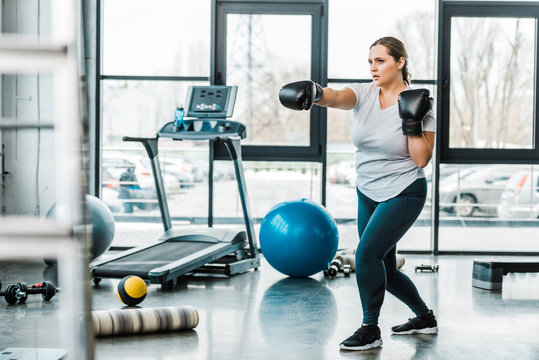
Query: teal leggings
point(380, 226)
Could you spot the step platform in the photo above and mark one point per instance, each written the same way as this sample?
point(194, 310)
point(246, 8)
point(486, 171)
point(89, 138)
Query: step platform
point(489, 274)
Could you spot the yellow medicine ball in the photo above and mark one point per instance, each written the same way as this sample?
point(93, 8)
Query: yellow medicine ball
point(131, 290)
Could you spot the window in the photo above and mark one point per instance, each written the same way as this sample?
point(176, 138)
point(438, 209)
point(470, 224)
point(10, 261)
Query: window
point(492, 92)
point(156, 38)
point(145, 74)
point(488, 207)
point(488, 62)
point(488, 126)
point(260, 60)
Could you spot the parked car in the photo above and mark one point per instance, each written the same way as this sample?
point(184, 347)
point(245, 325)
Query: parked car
point(174, 177)
point(120, 187)
point(474, 189)
point(446, 170)
point(520, 198)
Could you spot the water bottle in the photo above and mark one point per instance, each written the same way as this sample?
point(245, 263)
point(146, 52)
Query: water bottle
point(178, 116)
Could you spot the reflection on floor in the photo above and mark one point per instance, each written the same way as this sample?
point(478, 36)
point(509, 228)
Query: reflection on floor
point(265, 315)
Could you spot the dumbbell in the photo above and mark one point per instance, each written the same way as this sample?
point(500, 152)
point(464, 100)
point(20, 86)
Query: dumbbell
point(338, 265)
point(423, 267)
point(19, 292)
point(334, 268)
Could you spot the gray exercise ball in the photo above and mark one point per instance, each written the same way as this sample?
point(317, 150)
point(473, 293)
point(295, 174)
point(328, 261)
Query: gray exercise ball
point(100, 217)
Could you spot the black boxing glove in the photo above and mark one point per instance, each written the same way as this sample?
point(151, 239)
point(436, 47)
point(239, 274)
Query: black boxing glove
point(413, 106)
point(300, 95)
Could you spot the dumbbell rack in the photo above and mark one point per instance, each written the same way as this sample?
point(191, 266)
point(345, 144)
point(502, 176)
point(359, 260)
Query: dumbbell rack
point(30, 237)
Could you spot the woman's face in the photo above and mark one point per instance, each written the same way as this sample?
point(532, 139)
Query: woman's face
point(384, 69)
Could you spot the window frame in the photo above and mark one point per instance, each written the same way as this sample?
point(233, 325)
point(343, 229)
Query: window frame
point(443, 153)
point(486, 9)
point(318, 116)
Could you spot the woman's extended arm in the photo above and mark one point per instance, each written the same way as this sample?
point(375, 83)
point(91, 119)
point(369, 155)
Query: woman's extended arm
point(420, 147)
point(344, 99)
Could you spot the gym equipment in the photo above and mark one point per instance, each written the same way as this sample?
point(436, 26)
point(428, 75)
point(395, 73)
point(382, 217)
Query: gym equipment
point(489, 274)
point(102, 221)
point(19, 292)
point(345, 262)
point(400, 261)
point(423, 267)
point(100, 218)
point(299, 238)
point(144, 320)
point(185, 251)
point(300, 95)
point(338, 265)
point(413, 106)
point(348, 260)
point(131, 290)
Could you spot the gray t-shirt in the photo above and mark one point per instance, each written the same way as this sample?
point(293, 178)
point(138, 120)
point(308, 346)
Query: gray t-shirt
point(384, 166)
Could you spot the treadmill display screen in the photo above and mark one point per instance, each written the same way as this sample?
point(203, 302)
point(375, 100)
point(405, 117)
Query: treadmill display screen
point(211, 101)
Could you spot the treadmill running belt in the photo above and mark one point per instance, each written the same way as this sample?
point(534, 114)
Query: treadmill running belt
point(156, 256)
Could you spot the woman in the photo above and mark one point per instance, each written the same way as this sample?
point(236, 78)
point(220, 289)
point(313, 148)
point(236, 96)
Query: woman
point(394, 137)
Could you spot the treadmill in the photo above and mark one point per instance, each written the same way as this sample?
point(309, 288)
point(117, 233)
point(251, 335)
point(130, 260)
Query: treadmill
point(188, 251)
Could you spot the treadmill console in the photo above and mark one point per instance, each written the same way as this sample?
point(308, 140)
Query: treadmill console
point(214, 101)
point(207, 110)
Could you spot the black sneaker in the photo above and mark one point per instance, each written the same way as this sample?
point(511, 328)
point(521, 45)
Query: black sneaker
point(366, 337)
point(425, 324)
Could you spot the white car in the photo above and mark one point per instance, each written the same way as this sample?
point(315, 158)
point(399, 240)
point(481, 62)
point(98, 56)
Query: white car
point(474, 189)
point(520, 198)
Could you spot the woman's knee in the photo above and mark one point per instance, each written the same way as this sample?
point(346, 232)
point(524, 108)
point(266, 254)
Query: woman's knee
point(366, 255)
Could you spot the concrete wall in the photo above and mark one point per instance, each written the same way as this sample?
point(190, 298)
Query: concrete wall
point(27, 154)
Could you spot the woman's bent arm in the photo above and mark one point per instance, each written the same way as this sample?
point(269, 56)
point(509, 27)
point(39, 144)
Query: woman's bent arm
point(420, 148)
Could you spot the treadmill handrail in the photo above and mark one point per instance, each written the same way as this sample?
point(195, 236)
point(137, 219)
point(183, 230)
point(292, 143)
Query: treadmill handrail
point(150, 144)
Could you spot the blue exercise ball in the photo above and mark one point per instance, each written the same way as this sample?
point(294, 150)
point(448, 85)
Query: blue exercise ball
point(299, 238)
point(100, 217)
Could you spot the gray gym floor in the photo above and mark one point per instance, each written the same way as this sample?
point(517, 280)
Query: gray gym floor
point(265, 315)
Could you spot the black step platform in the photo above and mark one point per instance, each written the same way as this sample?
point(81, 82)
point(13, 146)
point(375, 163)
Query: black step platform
point(489, 274)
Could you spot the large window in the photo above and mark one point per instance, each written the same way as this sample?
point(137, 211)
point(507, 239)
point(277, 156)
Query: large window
point(146, 71)
point(355, 25)
point(492, 83)
point(488, 69)
point(260, 60)
point(164, 37)
point(145, 74)
point(486, 106)
point(261, 46)
point(488, 127)
point(489, 208)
